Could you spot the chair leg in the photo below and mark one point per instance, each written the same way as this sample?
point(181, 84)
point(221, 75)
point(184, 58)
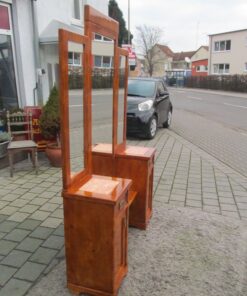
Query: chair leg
point(33, 157)
point(11, 165)
point(36, 161)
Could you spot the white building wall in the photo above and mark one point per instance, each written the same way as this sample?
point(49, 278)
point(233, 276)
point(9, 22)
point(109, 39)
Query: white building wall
point(236, 57)
point(27, 61)
point(62, 11)
point(47, 11)
point(201, 54)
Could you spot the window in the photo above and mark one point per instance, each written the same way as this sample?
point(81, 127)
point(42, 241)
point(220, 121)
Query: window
point(221, 68)
point(74, 58)
point(228, 44)
point(245, 67)
point(97, 61)
point(103, 61)
point(216, 46)
point(160, 88)
point(106, 62)
point(4, 18)
point(77, 9)
point(8, 89)
point(101, 38)
point(201, 68)
point(223, 45)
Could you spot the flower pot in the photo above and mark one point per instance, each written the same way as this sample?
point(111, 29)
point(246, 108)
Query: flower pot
point(3, 149)
point(54, 154)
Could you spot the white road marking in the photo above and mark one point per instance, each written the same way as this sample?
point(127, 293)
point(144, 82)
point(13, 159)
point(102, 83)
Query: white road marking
point(179, 91)
point(74, 106)
point(244, 134)
point(238, 106)
point(195, 98)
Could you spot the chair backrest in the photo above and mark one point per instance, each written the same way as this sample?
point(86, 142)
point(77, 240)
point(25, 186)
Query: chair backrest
point(20, 123)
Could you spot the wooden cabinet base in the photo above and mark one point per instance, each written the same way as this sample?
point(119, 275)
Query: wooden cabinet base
point(77, 290)
point(96, 235)
point(137, 164)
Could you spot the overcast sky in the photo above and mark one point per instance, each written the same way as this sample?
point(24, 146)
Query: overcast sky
point(186, 23)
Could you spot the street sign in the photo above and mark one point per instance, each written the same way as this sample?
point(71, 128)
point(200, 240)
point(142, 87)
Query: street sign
point(132, 54)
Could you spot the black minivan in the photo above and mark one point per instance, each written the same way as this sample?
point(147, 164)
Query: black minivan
point(149, 106)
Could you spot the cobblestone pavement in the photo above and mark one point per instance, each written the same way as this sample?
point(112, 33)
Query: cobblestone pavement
point(223, 142)
point(31, 214)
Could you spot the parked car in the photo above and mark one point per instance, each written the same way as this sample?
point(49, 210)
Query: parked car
point(149, 106)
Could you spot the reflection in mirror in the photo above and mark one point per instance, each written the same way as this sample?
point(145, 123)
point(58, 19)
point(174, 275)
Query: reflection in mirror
point(75, 104)
point(102, 89)
point(121, 92)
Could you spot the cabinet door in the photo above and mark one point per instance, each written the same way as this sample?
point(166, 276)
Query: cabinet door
point(121, 239)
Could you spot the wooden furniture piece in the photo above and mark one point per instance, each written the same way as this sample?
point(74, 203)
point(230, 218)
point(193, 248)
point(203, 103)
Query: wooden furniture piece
point(23, 122)
point(135, 163)
point(95, 207)
point(96, 235)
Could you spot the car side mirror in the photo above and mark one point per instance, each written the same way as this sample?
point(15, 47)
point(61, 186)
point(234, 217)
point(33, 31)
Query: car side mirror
point(162, 94)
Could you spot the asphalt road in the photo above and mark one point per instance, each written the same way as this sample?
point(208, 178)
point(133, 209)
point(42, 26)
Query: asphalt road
point(214, 121)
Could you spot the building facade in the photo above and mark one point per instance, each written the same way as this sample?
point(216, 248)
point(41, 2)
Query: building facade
point(199, 62)
point(29, 46)
point(228, 53)
point(166, 60)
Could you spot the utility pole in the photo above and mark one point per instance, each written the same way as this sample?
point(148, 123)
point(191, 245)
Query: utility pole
point(128, 21)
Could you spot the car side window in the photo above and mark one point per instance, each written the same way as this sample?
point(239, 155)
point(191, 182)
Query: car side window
point(160, 89)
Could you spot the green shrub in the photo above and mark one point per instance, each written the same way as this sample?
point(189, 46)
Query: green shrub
point(50, 117)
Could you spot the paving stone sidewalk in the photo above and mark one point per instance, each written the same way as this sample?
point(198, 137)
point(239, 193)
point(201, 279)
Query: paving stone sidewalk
point(31, 212)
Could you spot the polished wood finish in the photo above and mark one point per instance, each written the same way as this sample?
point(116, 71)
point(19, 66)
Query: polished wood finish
point(96, 235)
point(64, 38)
point(96, 208)
point(137, 164)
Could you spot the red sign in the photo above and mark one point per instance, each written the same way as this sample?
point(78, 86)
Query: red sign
point(132, 54)
point(37, 136)
point(4, 18)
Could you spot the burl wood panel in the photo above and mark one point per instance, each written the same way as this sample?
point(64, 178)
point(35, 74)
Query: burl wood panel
point(135, 163)
point(96, 236)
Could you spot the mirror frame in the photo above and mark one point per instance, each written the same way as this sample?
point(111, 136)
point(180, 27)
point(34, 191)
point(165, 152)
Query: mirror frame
point(64, 38)
point(119, 147)
point(96, 22)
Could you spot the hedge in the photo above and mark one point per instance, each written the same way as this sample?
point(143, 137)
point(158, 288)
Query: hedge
point(237, 83)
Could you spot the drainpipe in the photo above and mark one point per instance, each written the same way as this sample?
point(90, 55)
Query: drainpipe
point(38, 87)
point(210, 55)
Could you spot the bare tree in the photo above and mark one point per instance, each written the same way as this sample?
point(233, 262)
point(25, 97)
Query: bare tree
point(147, 38)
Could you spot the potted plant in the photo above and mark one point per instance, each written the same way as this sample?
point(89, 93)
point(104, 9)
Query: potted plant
point(4, 141)
point(50, 128)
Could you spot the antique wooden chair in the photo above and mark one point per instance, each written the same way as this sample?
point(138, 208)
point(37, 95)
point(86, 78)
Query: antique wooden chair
point(20, 124)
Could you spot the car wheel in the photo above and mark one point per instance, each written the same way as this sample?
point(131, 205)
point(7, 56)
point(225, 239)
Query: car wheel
point(169, 119)
point(152, 128)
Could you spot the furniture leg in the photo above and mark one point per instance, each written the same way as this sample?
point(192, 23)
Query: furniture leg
point(11, 165)
point(36, 161)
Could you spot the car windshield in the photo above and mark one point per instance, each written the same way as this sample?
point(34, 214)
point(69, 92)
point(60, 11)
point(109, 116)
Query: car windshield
point(141, 88)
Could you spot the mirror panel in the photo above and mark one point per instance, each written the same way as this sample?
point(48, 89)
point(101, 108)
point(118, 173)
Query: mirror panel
point(102, 89)
point(121, 96)
point(76, 105)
